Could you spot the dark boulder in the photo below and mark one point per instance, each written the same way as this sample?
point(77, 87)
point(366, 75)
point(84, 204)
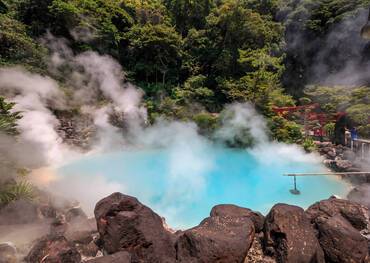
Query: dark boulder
point(19, 212)
point(341, 242)
point(53, 249)
point(236, 211)
point(124, 224)
point(119, 257)
point(355, 213)
point(290, 237)
point(217, 239)
point(82, 232)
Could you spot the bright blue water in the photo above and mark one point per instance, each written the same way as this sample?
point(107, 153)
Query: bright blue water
point(184, 195)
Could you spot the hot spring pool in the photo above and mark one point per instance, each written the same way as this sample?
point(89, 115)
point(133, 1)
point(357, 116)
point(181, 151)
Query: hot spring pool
point(184, 187)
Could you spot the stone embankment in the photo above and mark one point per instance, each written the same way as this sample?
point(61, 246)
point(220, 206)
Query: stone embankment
point(341, 159)
point(126, 231)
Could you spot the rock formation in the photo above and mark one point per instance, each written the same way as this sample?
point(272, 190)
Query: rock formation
point(126, 231)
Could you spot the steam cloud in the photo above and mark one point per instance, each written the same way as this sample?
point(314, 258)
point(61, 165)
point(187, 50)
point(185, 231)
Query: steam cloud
point(97, 87)
point(346, 50)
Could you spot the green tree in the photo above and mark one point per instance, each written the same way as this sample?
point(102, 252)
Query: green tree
point(194, 91)
point(188, 14)
point(154, 53)
point(16, 47)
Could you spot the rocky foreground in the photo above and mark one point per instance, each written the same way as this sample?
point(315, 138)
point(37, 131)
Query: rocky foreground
point(127, 231)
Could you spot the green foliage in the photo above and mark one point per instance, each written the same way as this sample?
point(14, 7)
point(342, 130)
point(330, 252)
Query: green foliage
point(16, 191)
point(206, 122)
point(359, 113)
point(8, 119)
point(309, 145)
point(308, 23)
point(154, 52)
point(194, 91)
point(3, 7)
point(329, 129)
point(284, 130)
point(188, 56)
point(260, 84)
point(364, 130)
point(188, 14)
point(353, 101)
point(16, 46)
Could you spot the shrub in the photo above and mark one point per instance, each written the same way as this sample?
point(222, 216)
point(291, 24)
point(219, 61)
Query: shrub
point(16, 46)
point(16, 191)
point(207, 123)
point(309, 145)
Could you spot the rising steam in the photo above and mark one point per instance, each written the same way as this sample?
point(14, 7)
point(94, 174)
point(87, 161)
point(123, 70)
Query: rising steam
point(97, 87)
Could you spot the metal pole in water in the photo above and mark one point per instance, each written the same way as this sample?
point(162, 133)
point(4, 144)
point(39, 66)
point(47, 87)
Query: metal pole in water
point(295, 191)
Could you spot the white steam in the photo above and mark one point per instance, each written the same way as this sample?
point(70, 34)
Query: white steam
point(33, 94)
point(346, 52)
point(97, 87)
point(239, 119)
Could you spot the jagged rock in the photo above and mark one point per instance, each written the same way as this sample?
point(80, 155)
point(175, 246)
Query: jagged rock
point(58, 226)
point(81, 237)
point(356, 214)
point(75, 214)
point(236, 211)
point(290, 236)
point(19, 212)
point(47, 211)
point(342, 165)
point(331, 155)
point(53, 249)
point(341, 242)
point(256, 254)
point(8, 253)
point(88, 250)
point(119, 257)
point(217, 239)
point(124, 224)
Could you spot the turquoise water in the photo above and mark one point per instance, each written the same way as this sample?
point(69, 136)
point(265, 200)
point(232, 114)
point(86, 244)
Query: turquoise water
point(184, 187)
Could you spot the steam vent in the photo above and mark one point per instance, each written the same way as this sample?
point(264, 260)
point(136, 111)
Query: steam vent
point(178, 131)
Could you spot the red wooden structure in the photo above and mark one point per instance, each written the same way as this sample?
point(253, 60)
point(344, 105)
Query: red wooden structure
point(311, 113)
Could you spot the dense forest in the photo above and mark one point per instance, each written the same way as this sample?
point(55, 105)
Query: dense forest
point(193, 57)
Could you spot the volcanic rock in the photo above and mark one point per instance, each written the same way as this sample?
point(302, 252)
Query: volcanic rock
point(356, 214)
point(124, 224)
point(236, 211)
point(53, 249)
point(222, 239)
point(119, 257)
point(58, 226)
point(290, 236)
point(342, 165)
point(48, 211)
point(75, 214)
point(341, 242)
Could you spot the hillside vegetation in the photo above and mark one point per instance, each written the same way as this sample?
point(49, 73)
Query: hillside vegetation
point(193, 57)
